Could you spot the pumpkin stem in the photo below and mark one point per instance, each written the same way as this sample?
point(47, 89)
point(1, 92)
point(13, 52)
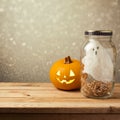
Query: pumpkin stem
point(67, 60)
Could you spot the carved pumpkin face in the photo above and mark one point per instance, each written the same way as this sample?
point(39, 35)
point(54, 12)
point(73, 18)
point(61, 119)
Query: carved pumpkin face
point(65, 79)
point(66, 74)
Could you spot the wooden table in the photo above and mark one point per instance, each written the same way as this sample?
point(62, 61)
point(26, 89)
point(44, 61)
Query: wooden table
point(39, 101)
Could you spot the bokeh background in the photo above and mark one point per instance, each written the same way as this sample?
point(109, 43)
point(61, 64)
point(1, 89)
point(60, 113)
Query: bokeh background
point(36, 33)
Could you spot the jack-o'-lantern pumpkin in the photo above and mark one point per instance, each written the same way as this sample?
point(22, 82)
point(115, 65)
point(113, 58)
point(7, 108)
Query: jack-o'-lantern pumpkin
point(65, 74)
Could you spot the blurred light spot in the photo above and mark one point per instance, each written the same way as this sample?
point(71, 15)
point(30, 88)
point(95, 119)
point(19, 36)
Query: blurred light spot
point(1, 10)
point(23, 44)
point(14, 43)
point(11, 39)
point(73, 43)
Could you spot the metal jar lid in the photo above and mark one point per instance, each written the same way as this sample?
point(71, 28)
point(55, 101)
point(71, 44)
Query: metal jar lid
point(99, 32)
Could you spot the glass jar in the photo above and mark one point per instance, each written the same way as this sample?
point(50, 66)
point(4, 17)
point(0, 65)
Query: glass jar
point(98, 57)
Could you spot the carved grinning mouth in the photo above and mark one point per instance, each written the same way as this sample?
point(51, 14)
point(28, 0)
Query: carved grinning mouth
point(65, 81)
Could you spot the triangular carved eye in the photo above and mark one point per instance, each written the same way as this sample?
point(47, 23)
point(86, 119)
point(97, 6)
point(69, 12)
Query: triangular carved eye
point(72, 73)
point(58, 73)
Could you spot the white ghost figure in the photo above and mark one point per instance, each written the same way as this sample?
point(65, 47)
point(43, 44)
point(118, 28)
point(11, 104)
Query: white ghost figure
point(97, 62)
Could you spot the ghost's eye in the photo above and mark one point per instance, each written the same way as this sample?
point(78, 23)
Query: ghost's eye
point(98, 47)
point(93, 49)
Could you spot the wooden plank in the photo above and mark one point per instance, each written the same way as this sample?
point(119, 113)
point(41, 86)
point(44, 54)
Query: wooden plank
point(33, 84)
point(56, 116)
point(44, 97)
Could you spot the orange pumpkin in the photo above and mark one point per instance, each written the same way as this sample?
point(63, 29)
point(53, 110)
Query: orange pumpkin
point(65, 74)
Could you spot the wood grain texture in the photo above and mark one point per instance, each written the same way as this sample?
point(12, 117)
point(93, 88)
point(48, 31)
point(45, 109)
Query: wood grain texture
point(45, 98)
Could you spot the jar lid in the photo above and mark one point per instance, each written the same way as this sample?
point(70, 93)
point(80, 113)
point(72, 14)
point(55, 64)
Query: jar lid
point(99, 32)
